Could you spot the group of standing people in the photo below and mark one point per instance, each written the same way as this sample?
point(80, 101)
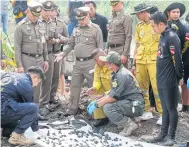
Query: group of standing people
point(161, 61)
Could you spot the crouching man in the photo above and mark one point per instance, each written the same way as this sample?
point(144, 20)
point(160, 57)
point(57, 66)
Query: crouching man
point(125, 100)
point(18, 112)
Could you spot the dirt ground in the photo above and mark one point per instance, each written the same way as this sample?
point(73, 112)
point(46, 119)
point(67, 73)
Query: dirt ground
point(147, 128)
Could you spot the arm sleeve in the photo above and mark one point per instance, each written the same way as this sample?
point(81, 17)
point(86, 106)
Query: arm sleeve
point(45, 52)
point(99, 39)
point(116, 91)
point(17, 45)
point(128, 34)
point(71, 44)
point(175, 50)
point(96, 82)
point(105, 31)
point(65, 35)
point(26, 91)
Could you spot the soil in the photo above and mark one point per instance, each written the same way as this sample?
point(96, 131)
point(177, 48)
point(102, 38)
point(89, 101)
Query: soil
point(147, 128)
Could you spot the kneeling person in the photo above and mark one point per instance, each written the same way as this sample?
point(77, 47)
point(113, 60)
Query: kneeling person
point(125, 100)
point(18, 112)
point(101, 84)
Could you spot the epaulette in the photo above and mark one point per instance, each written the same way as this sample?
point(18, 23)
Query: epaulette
point(60, 23)
point(94, 25)
point(140, 23)
point(23, 21)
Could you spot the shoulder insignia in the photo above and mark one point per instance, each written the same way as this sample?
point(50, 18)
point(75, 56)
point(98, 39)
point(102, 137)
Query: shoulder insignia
point(22, 22)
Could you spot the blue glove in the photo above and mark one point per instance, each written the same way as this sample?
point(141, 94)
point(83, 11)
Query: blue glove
point(92, 107)
point(188, 83)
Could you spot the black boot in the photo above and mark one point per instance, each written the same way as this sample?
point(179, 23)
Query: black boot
point(169, 141)
point(101, 122)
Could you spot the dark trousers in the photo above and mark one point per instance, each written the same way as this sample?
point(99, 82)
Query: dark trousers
point(151, 96)
point(169, 101)
point(23, 116)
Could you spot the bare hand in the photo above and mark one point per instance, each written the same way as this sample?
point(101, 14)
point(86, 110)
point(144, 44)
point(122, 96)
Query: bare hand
point(91, 91)
point(58, 57)
point(101, 102)
point(123, 59)
point(20, 70)
point(45, 65)
point(133, 70)
point(3, 64)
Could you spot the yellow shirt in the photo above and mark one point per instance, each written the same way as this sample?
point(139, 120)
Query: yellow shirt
point(148, 42)
point(102, 79)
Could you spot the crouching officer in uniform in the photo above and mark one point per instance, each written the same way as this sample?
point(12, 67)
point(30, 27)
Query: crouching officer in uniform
point(18, 112)
point(125, 100)
point(169, 73)
point(84, 40)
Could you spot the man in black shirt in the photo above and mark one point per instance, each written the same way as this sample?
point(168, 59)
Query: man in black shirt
point(169, 73)
point(98, 19)
point(173, 12)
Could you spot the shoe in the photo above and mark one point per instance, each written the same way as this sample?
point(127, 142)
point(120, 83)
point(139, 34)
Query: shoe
point(159, 138)
point(129, 128)
point(41, 118)
point(19, 139)
point(159, 122)
point(101, 122)
point(169, 141)
point(146, 116)
point(71, 112)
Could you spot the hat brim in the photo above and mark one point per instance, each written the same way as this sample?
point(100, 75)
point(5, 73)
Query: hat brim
point(35, 13)
point(175, 6)
point(140, 11)
point(103, 58)
point(80, 18)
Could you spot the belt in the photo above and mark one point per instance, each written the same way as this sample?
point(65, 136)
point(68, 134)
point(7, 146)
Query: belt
point(32, 55)
point(56, 51)
point(115, 45)
point(84, 59)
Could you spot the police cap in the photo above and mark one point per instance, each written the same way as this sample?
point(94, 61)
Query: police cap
point(35, 7)
point(47, 5)
point(81, 12)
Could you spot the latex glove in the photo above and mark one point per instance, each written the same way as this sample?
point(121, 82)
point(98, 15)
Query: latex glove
point(188, 83)
point(92, 107)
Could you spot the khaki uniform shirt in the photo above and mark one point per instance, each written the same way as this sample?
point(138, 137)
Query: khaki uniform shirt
point(84, 40)
point(148, 42)
point(29, 38)
point(120, 30)
point(61, 33)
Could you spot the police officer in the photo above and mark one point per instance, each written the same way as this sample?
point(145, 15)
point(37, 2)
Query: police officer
point(169, 72)
point(125, 100)
point(145, 58)
point(18, 112)
point(51, 39)
point(173, 12)
point(120, 31)
point(29, 42)
point(62, 35)
point(85, 38)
